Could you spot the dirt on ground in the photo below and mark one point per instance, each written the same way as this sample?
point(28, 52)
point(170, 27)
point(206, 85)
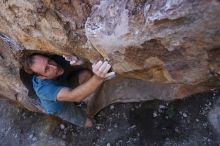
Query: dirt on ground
point(194, 120)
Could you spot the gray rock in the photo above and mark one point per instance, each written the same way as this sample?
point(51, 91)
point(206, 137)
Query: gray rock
point(62, 126)
point(34, 138)
point(31, 136)
point(112, 107)
point(154, 114)
point(214, 118)
point(184, 115)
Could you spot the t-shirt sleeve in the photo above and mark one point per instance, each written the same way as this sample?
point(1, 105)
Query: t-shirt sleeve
point(49, 91)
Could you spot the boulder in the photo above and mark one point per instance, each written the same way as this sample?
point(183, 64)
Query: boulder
point(159, 49)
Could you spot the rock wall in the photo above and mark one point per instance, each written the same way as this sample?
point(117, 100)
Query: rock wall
point(159, 45)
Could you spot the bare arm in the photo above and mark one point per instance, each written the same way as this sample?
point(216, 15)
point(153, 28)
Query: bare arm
point(79, 93)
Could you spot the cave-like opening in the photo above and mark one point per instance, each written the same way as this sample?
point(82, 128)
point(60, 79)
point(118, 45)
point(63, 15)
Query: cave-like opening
point(27, 78)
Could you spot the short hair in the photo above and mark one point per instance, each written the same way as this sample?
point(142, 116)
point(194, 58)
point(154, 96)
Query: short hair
point(27, 62)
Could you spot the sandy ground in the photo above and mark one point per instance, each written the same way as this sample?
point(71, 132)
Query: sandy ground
point(181, 122)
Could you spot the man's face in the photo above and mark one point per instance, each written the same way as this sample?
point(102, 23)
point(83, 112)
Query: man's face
point(46, 68)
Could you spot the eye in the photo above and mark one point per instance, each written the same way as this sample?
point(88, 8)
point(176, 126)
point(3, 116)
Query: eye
point(49, 61)
point(46, 69)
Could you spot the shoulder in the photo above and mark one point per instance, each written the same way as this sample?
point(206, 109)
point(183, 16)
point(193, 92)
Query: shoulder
point(41, 85)
point(39, 82)
point(46, 89)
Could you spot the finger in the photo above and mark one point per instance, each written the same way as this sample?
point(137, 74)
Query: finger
point(72, 62)
point(107, 68)
point(80, 62)
point(97, 66)
point(73, 58)
point(93, 65)
point(110, 77)
point(111, 74)
point(70, 57)
point(65, 57)
point(102, 67)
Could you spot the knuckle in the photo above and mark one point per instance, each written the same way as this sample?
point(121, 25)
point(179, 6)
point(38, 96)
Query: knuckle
point(94, 69)
point(100, 69)
point(99, 72)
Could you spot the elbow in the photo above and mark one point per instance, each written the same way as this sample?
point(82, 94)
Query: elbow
point(67, 94)
point(60, 98)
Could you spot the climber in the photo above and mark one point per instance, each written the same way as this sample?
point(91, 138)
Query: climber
point(57, 95)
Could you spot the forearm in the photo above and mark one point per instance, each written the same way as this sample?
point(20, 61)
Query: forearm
point(100, 70)
point(82, 91)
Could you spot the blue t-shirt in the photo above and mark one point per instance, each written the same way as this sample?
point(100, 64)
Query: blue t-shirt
point(47, 90)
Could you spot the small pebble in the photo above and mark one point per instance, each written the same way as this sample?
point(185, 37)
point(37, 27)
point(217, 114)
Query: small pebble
point(62, 126)
point(162, 106)
point(133, 126)
point(177, 130)
point(155, 114)
point(108, 144)
point(112, 107)
point(31, 136)
point(184, 115)
point(34, 138)
point(204, 125)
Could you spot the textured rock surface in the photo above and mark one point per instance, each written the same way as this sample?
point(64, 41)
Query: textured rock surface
point(171, 46)
point(214, 116)
point(180, 122)
point(170, 39)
